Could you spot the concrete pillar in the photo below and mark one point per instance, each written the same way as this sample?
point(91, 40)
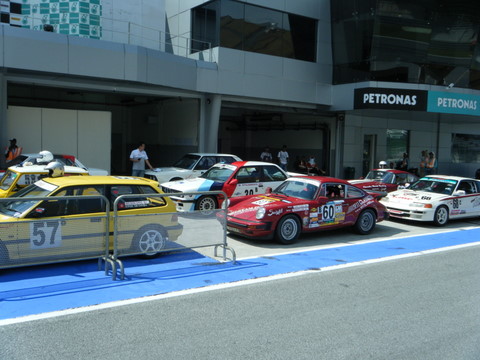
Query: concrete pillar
point(210, 107)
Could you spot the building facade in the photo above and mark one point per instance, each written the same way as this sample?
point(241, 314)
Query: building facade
point(351, 84)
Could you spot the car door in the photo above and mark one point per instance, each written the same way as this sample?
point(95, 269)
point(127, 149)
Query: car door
point(74, 228)
point(332, 207)
point(468, 205)
point(248, 181)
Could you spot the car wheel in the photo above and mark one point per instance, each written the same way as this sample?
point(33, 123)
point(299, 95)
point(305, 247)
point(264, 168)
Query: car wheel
point(441, 216)
point(206, 205)
point(366, 222)
point(288, 229)
point(150, 240)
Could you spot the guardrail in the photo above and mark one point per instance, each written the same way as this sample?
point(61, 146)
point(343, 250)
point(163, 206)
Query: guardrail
point(199, 230)
point(56, 230)
point(126, 32)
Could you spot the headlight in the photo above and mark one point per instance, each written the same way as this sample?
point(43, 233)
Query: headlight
point(260, 213)
point(421, 205)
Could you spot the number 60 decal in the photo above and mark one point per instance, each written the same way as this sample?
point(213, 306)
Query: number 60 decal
point(45, 234)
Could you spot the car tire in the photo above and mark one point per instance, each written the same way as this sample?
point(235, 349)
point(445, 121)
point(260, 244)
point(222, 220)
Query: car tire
point(288, 230)
point(206, 205)
point(150, 240)
point(366, 222)
point(440, 218)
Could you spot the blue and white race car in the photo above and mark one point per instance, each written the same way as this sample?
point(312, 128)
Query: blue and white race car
point(435, 198)
point(237, 179)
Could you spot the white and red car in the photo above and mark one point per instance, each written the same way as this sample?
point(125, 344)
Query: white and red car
point(237, 179)
point(436, 198)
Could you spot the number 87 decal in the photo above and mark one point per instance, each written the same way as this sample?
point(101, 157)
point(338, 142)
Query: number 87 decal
point(45, 234)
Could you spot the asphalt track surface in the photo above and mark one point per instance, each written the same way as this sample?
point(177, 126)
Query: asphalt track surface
point(43, 291)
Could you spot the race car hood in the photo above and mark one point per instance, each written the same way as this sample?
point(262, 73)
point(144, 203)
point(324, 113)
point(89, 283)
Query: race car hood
point(195, 184)
point(408, 196)
point(273, 204)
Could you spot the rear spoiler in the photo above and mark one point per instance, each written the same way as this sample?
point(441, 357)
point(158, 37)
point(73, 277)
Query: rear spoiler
point(377, 194)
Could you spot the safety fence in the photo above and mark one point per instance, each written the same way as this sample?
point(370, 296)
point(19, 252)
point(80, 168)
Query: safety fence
point(48, 230)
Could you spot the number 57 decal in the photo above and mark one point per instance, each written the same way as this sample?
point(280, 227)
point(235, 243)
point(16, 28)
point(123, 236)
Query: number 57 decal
point(45, 234)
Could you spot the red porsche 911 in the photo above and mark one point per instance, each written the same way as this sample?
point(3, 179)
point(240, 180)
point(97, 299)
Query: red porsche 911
point(304, 204)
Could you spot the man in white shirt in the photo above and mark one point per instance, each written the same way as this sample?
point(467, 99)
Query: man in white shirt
point(283, 157)
point(139, 157)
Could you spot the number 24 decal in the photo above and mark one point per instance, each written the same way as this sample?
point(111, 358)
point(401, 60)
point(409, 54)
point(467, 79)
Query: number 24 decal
point(45, 234)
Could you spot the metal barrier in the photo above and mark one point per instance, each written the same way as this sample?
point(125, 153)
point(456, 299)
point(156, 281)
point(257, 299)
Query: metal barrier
point(159, 232)
point(45, 230)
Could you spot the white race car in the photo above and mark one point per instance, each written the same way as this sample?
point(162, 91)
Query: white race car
point(436, 198)
point(240, 178)
point(189, 166)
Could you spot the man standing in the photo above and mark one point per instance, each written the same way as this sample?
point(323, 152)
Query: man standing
point(283, 157)
point(139, 158)
point(12, 151)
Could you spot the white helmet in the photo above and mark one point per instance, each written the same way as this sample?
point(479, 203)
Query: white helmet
point(382, 165)
point(55, 169)
point(44, 157)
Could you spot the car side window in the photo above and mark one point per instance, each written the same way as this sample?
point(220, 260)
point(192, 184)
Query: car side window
point(225, 159)
point(353, 192)
point(272, 173)
point(400, 179)
point(335, 191)
point(466, 186)
point(205, 163)
point(248, 174)
point(135, 202)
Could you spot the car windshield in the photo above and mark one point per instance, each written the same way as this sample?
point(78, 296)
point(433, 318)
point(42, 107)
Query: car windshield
point(187, 162)
point(439, 186)
point(379, 175)
point(219, 174)
point(16, 207)
point(299, 189)
point(7, 179)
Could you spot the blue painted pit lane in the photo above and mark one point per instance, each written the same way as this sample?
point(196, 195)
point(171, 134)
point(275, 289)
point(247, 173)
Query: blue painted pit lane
point(43, 289)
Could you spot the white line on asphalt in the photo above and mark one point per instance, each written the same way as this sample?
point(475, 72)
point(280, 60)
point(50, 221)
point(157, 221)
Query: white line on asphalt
point(221, 286)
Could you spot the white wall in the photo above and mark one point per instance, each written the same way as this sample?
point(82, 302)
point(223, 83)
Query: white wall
point(84, 134)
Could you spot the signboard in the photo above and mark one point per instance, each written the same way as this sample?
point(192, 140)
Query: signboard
point(390, 99)
point(417, 100)
point(453, 103)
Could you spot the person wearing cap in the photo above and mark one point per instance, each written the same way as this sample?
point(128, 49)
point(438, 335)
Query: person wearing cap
point(12, 151)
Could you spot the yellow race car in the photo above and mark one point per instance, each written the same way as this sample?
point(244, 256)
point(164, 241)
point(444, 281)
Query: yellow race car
point(73, 224)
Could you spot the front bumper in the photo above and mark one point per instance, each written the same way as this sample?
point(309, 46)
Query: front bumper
point(417, 214)
point(250, 229)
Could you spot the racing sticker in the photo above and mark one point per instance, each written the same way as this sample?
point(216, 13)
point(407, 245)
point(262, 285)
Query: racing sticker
point(263, 201)
point(45, 234)
point(328, 214)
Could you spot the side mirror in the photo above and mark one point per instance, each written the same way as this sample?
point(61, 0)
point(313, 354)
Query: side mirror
point(268, 190)
point(459, 193)
point(234, 182)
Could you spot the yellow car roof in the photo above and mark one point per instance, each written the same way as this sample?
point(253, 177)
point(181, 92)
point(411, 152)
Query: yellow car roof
point(102, 180)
